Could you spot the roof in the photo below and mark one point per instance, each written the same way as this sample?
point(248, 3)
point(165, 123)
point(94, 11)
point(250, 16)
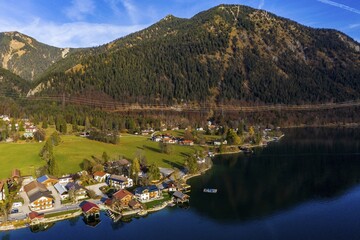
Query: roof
point(122, 193)
point(133, 203)
point(15, 173)
point(180, 195)
point(35, 196)
point(118, 178)
point(72, 185)
point(45, 178)
point(65, 177)
point(151, 188)
point(123, 162)
point(34, 185)
point(99, 174)
point(166, 171)
point(88, 206)
point(33, 215)
point(60, 188)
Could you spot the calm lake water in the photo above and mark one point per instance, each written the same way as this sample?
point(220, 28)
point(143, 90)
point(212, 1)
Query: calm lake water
point(307, 186)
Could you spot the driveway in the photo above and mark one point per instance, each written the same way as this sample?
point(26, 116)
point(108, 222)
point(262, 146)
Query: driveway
point(96, 189)
point(55, 194)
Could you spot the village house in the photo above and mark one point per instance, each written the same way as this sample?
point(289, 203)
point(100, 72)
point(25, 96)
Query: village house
point(63, 192)
point(180, 197)
point(2, 191)
point(156, 138)
point(79, 192)
point(65, 179)
point(188, 143)
point(169, 140)
point(147, 132)
point(90, 209)
point(48, 180)
point(16, 175)
point(5, 118)
point(169, 186)
point(166, 172)
point(134, 204)
point(123, 197)
point(40, 197)
point(35, 216)
point(119, 167)
point(119, 182)
point(100, 176)
point(147, 193)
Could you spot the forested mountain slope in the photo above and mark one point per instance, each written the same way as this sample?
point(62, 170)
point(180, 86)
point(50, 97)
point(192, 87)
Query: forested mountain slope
point(26, 57)
point(230, 53)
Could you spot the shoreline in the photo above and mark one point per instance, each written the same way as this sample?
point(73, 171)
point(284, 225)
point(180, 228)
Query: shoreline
point(10, 226)
point(27, 222)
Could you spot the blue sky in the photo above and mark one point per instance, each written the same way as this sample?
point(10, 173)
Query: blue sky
point(85, 23)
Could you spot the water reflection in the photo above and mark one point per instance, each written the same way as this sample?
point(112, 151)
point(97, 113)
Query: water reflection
point(308, 164)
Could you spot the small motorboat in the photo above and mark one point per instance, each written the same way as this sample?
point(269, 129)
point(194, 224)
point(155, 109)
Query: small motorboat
point(210, 190)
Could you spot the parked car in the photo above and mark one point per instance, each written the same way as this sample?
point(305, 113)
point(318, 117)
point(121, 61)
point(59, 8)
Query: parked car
point(14, 210)
point(16, 205)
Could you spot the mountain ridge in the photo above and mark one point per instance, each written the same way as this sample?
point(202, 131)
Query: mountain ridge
point(230, 53)
point(26, 57)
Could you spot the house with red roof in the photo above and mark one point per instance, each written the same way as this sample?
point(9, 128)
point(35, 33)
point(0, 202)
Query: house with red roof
point(100, 176)
point(123, 197)
point(89, 209)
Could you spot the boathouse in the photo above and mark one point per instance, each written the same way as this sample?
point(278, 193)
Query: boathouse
point(90, 209)
point(180, 197)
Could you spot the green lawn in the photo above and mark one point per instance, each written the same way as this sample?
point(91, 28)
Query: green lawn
point(166, 197)
point(57, 214)
point(24, 156)
point(72, 150)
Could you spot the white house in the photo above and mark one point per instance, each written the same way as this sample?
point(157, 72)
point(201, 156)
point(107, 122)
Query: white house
point(100, 176)
point(147, 193)
point(119, 182)
point(5, 118)
point(65, 179)
point(2, 191)
point(63, 192)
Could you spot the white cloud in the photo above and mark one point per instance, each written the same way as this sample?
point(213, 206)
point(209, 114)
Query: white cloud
point(76, 34)
point(261, 4)
point(354, 25)
point(79, 9)
point(131, 10)
point(339, 5)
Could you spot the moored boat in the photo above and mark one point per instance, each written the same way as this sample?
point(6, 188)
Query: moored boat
point(210, 190)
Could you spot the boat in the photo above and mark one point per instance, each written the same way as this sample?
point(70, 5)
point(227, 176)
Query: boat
point(210, 190)
point(171, 204)
point(246, 150)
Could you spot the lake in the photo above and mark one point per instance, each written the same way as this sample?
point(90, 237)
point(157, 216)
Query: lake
point(305, 186)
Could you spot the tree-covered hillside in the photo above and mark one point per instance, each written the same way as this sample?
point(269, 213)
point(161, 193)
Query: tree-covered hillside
point(12, 86)
point(229, 53)
point(26, 57)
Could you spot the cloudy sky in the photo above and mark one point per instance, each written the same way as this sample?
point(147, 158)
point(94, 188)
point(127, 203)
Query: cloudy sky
point(85, 23)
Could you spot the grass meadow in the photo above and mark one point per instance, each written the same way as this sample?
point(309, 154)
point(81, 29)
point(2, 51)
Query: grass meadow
point(72, 150)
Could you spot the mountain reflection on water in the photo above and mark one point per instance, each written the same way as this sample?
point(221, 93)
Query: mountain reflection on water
point(308, 164)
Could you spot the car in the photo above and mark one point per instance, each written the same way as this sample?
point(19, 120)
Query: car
point(15, 210)
point(16, 205)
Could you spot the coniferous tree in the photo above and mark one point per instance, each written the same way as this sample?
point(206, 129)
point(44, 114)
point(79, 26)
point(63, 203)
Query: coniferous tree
point(135, 169)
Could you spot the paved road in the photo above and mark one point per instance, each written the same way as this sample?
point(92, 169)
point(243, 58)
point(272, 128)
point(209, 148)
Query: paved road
point(58, 207)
